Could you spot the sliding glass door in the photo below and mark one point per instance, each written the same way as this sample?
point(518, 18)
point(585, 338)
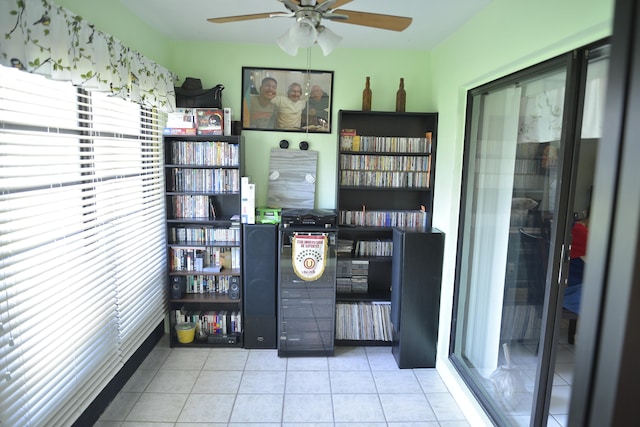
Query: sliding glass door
point(519, 174)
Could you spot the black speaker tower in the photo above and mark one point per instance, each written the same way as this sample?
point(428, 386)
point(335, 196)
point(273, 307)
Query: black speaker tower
point(259, 268)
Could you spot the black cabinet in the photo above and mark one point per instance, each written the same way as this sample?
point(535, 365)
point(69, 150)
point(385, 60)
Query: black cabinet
point(415, 296)
point(306, 291)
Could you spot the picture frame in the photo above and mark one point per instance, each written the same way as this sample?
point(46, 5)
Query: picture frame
point(287, 100)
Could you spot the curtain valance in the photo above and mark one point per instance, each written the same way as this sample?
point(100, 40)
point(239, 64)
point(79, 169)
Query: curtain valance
point(43, 38)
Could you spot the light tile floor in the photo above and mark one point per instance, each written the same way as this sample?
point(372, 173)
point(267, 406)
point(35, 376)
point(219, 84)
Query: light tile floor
point(202, 387)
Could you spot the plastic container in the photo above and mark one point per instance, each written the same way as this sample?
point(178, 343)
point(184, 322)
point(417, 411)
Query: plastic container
point(186, 332)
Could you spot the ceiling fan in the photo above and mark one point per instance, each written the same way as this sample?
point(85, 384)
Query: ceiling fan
point(308, 28)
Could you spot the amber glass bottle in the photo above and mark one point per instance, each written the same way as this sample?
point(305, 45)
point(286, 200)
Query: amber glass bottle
point(401, 97)
point(366, 96)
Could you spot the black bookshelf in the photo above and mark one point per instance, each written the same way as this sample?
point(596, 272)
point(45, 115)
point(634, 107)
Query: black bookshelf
point(385, 175)
point(203, 204)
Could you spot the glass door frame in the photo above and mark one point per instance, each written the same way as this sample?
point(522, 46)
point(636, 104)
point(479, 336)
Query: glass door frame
point(575, 64)
point(607, 385)
point(559, 264)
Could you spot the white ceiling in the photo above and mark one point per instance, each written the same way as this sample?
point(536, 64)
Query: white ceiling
point(433, 21)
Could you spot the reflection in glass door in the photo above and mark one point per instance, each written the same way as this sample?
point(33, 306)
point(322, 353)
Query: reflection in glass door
point(519, 174)
point(582, 174)
point(510, 191)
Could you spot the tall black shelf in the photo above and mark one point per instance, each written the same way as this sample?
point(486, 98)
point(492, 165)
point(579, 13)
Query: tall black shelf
point(415, 296)
point(203, 205)
point(367, 183)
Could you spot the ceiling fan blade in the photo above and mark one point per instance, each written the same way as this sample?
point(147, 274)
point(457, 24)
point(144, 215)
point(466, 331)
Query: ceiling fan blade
point(333, 4)
point(245, 17)
point(385, 22)
point(340, 3)
point(292, 5)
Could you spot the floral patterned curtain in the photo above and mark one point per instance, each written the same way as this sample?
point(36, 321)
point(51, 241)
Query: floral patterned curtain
point(40, 37)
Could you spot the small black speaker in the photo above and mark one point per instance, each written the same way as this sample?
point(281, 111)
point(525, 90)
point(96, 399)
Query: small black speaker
point(234, 287)
point(176, 287)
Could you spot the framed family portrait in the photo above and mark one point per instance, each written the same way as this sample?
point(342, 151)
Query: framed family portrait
point(280, 99)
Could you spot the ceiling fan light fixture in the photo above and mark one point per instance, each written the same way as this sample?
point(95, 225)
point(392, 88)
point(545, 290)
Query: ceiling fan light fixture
point(327, 40)
point(304, 32)
point(288, 44)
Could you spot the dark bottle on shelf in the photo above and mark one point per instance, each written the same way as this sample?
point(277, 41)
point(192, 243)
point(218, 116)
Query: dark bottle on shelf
point(401, 97)
point(366, 96)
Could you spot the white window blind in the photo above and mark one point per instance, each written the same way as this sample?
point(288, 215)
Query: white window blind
point(82, 262)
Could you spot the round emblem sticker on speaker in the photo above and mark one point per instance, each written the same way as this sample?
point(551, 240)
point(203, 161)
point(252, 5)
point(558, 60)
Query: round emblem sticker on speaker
point(309, 255)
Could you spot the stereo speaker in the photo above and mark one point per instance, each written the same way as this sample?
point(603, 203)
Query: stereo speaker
point(176, 287)
point(259, 274)
point(234, 287)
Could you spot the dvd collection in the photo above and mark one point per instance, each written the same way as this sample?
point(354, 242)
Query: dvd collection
point(409, 218)
point(204, 235)
point(207, 284)
point(350, 141)
point(383, 179)
point(384, 162)
point(204, 153)
point(211, 322)
point(204, 180)
point(210, 259)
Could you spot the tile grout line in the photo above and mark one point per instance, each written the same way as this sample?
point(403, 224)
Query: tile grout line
point(375, 384)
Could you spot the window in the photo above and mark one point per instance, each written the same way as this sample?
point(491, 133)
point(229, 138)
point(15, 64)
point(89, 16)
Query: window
point(527, 170)
point(82, 280)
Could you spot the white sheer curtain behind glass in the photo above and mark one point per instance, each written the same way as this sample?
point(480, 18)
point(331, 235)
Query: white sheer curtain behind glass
point(595, 92)
point(490, 206)
point(81, 244)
